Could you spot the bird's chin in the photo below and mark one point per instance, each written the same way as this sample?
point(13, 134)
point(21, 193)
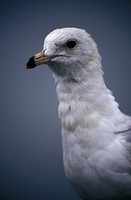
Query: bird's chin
point(57, 66)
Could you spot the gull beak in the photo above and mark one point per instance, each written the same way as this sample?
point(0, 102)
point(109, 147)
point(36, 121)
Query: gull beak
point(37, 59)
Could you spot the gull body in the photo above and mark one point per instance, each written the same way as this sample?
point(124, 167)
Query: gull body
point(96, 135)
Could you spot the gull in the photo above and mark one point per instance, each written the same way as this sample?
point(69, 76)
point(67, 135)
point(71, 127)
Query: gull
point(96, 135)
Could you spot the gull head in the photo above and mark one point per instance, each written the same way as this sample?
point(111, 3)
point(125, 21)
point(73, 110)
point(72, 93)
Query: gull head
point(70, 53)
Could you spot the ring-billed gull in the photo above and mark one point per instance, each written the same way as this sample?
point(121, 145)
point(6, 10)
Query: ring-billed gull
point(96, 135)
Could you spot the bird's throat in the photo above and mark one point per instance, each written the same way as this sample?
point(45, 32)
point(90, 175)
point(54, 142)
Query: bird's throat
point(87, 105)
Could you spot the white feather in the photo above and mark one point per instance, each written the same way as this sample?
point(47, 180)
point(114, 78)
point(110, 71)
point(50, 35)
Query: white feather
point(96, 160)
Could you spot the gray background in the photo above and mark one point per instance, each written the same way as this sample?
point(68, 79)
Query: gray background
point(30, 149)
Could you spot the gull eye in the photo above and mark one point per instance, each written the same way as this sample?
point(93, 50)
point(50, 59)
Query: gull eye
point(71, 44)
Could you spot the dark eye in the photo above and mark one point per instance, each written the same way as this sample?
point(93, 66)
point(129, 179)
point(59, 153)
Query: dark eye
point(71, 44)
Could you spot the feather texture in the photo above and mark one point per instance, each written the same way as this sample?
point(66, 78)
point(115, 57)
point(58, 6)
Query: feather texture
point(96, 135)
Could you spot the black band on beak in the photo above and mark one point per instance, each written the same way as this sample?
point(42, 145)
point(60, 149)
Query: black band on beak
point(31, 63)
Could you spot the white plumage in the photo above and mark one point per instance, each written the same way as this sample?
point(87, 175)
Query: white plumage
point(96, 135)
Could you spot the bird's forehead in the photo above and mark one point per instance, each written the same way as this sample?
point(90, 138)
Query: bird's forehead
point(64, 34)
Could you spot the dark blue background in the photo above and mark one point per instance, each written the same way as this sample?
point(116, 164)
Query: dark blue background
point(31, 150)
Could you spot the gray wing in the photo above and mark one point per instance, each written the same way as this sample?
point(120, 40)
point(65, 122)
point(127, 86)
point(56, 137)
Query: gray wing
point(127, 135)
